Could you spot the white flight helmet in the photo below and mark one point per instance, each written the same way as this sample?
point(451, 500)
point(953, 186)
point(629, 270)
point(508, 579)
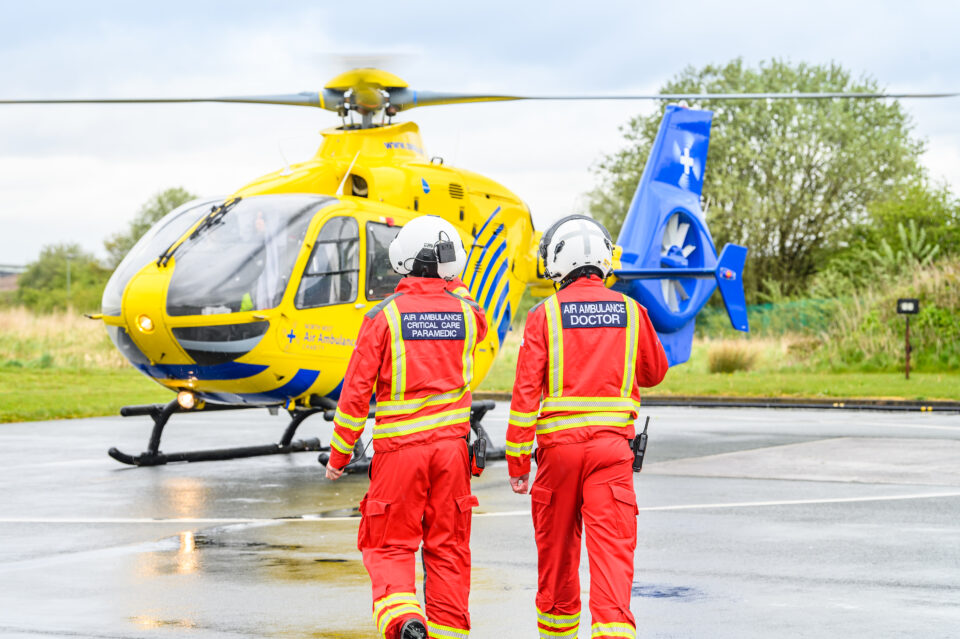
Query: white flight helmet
point(572, 243)
point(428, 246)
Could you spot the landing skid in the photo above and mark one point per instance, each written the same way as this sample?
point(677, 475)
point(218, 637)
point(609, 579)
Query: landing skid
point(161, 413)
point(360, 463)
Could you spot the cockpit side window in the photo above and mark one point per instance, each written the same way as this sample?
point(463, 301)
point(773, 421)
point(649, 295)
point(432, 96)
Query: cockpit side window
point(381, 278)
point(333, 270)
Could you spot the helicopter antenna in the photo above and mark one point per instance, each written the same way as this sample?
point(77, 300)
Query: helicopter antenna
point(286, 163)
point(346, 175)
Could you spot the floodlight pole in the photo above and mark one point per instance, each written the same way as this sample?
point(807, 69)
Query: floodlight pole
point(907, 350)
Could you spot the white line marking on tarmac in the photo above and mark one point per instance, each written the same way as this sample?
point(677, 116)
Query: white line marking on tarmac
point(507, 513)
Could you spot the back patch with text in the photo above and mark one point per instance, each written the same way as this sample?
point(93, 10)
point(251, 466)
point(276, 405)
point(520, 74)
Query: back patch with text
point(594, 314)
point(438, 325)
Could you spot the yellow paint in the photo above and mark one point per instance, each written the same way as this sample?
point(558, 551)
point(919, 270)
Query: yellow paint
point(395, 165)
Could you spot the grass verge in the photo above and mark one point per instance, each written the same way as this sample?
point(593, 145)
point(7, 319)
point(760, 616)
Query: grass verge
point(778, 373)
point(57, 393)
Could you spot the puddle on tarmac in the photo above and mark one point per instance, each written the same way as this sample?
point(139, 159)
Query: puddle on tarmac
point(255, 554)
point(663, 591)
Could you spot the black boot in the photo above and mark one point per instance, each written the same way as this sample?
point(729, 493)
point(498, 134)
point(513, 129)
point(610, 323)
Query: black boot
point(413, 629)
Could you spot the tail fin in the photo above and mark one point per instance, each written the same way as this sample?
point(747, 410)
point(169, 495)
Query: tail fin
point(730, 281)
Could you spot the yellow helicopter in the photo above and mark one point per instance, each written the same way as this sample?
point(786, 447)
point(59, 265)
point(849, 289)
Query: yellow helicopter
point(257, 300)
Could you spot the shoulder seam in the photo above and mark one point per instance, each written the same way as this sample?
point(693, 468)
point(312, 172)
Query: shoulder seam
point(462, 299)
point(539, 304)
point(373, 312)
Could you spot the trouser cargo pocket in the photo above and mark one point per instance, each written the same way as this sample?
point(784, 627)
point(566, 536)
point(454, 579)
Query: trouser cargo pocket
point(373, 523)
point(625, 505)
point(465, 506)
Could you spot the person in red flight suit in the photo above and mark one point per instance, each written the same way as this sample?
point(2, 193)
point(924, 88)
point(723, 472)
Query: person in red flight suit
point(586, 351)
point(416, 349)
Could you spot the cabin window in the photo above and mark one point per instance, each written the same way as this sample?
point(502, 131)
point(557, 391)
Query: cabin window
point(242, 260)
point(333, 270)
point(382, 280)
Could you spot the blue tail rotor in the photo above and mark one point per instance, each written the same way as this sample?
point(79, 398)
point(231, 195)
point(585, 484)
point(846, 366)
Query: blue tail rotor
point(669, 261)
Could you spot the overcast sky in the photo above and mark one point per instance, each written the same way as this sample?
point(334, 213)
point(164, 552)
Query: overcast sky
point(79, 173)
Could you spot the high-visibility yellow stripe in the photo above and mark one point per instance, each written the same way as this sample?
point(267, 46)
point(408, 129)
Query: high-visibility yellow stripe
point(390, 407)
point(613, 630)
point(436, 630)
point(340, 418)
point(630, 348)
point(580, 404)
point(387, 609)
point(517, 449)
point(390, 614)
point(394, 598)
point(554, 347)
point(398, 379)
point(558, 620)
point(554, 424)
point(340, 444)
point(522, 420)
point(549, 634)
point(469, 343)
point(418, 424)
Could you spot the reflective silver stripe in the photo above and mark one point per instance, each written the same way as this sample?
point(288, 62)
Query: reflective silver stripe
point(559, 621)
point(517, 449)
point(553, 424)
point(522, 419)
point(340, 444)
point(589, 404)
point(413, 405)
point(630, 348)
point(553, 634)
point(624, 630)
point(418, 424)
point(436, 630)
point(398, 377)
point(469, 343)
point(340, 418)
point(555, 349)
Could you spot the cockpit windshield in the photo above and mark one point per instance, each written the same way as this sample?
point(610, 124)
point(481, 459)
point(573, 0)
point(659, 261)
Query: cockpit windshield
point(244, 261)
point(151, 245)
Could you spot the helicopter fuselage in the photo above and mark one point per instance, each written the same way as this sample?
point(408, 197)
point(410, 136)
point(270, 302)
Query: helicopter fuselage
point(262, 302)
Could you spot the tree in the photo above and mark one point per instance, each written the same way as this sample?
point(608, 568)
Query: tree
point(788, 179)
point(43, 286)
point(119, 244)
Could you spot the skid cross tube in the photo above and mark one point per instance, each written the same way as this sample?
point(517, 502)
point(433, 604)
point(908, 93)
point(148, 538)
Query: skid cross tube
point(360, 462)
point(161, 413)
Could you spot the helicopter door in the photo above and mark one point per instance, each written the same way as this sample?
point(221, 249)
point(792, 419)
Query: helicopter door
point(328, 314)
point(381, 278)
point(333, 270)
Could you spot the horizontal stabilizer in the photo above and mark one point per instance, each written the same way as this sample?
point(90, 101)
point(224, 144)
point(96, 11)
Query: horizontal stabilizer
point(730, 281)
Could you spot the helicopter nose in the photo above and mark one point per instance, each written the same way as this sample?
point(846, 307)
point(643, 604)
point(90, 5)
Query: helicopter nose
point(144, 313)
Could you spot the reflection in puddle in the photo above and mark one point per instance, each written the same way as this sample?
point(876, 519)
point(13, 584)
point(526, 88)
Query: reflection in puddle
point(147, 621)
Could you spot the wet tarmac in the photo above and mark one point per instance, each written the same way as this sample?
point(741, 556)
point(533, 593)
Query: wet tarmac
point(753, 523)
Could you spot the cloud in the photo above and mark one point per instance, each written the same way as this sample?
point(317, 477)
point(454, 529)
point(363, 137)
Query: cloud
point(80, 173)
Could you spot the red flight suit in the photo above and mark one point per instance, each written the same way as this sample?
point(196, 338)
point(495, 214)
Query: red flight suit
point(416, 347)
point(586, 351)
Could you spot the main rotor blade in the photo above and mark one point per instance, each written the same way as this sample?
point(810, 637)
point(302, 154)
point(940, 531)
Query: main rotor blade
point(407, 98)
point(326, 99)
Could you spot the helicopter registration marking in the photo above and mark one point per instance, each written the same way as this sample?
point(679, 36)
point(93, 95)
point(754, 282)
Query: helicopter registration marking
point(437, 325)
point(594, 314)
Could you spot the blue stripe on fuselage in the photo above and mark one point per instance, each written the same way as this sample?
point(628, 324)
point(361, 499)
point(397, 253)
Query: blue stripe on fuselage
point(493, 285)
point(486, 273)
point(230, 370)
point(479, 263)
point(476, 237)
